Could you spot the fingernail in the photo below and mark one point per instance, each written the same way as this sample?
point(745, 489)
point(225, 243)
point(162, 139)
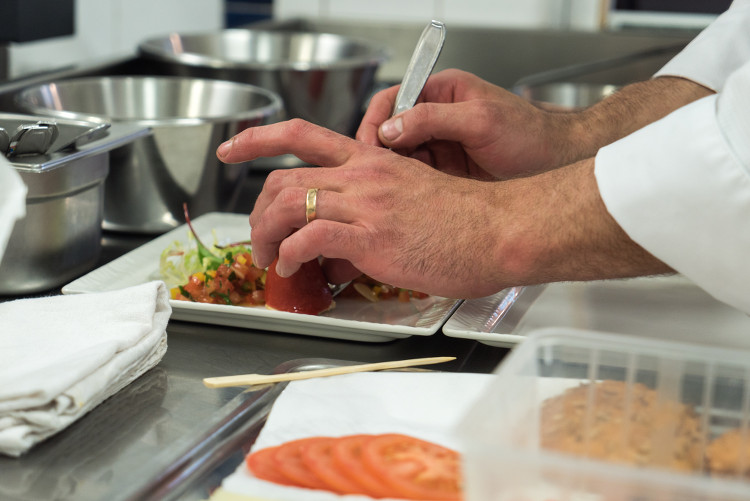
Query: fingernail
point(393, 128)
point(224, 148)
point(280, 271)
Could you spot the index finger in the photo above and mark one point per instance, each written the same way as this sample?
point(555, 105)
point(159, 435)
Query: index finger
point(310, 143)
point(379, 110)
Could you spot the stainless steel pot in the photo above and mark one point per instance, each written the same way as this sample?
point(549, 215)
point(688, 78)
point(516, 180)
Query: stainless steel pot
point(323, 78)
point(189, 118)
point(566, 95)
point(60, 236)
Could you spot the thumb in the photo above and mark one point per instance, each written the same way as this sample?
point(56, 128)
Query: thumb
point(424, 122)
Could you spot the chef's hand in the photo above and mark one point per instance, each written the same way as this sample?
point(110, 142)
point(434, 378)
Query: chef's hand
point(391, 217)
point(409, 225)
point(466, 126)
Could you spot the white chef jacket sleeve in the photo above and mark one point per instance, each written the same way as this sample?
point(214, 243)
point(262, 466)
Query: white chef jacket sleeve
point(680, 187)
point(717, 51)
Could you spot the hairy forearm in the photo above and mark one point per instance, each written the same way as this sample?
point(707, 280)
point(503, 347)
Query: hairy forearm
point(560, 230)
point(626, 111)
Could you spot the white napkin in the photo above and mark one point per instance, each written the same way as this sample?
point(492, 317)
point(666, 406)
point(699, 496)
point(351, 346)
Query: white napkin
point(427, 405)
point(62, 356)
point(12, 201)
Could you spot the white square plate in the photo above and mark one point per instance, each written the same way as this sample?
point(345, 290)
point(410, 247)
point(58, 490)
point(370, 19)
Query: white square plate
point(353, 319)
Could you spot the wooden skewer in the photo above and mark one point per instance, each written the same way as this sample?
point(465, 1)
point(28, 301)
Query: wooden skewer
point(253, 379)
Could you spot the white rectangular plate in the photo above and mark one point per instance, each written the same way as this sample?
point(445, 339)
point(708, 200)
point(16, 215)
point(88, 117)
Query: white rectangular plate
point(492, 320)
point(353, 319)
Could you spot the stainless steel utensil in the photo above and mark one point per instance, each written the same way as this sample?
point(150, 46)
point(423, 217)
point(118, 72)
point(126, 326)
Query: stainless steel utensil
point(422, 62)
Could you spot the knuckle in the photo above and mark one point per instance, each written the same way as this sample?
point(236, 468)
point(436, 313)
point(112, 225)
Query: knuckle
point(244, 136)
point(453, 72)
point(288, 197)
point(481, 109)
point(423, 112)
point(299, 127)
point(316, 231)
point(379, 95)
point(274, 180)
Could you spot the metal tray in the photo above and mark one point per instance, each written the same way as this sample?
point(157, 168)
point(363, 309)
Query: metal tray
point(492, 320)
point(199, 462)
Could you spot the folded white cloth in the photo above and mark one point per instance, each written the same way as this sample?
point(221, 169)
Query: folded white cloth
point(62, 356)
point(12, 201)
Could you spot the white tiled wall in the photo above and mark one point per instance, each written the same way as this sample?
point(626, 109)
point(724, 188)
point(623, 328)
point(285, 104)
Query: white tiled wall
point(553, 14)
point(111, 28)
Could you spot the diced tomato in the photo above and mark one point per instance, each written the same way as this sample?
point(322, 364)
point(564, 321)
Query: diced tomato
point(387, 291)
point(235, 282)
point(255, 298)
point(414, 468)
point(196, 287)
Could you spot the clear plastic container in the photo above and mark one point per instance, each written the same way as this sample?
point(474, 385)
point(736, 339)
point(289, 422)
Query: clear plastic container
point(581, 415)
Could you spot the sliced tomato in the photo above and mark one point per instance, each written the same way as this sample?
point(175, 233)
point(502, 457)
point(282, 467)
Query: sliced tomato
point(318, 458)
point(262, 465)
point(346, 454)
point(306, 291)
point(414, 468)
point(288, 461)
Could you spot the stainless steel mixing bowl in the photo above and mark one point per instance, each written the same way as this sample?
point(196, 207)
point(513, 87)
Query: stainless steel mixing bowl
point(566, 95)
point(323, 78)
point(152, 177)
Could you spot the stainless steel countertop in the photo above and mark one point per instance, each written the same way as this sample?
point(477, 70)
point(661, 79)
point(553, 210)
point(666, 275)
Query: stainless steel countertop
point(667, 307)
point(161, 436)
point(129, 441)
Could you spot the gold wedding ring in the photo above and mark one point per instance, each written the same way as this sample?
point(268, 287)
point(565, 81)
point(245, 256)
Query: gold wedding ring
point(311, 205)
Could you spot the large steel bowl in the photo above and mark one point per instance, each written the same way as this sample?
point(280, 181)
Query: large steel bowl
point(566, 96)
point(189, 118)
point(323, 78)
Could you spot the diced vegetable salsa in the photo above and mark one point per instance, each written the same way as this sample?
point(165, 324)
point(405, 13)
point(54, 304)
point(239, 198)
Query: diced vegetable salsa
point(225, 276)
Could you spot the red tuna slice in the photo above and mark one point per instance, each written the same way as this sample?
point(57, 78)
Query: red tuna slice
point(306, 291)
